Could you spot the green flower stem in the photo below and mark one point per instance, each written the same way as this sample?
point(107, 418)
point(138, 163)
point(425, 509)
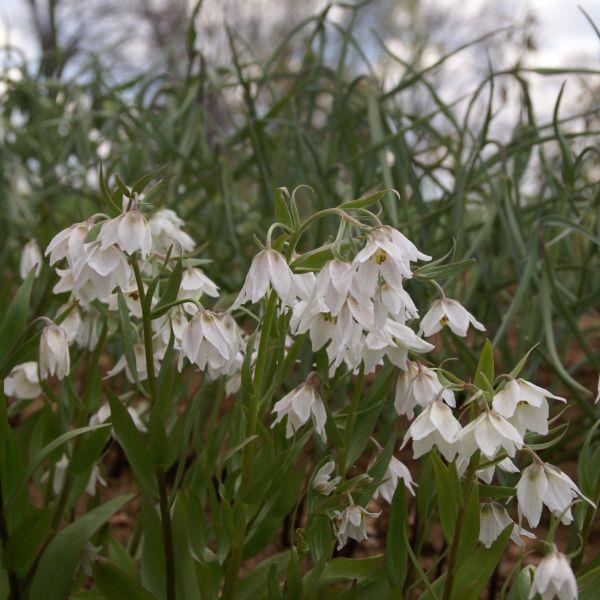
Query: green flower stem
point(351, 420)
point(13, 580)
point(460, 521)
point(160, 476)
point(235, 559)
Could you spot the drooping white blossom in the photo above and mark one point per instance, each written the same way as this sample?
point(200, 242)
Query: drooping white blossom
point(542, 483)
point(395, 471)
point(195, 283)
point(96, 273)
point(489, 432)
point(302, 403)
point(54, 352)
point(31, 257)
point(418, 386)
point(23, 382)
point(268, 267)
point(525, 405)
point(393, 340)
point(129, 231)
point(554, 578)
point(351, 524)
point(387, 254)
point(447, 311)
point(435, 426)
point(493, 520)
point(166, 227)
point(68, 243)
point(324, 483)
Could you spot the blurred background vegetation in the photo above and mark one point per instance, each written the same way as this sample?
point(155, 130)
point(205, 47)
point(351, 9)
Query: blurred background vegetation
point(240, 98)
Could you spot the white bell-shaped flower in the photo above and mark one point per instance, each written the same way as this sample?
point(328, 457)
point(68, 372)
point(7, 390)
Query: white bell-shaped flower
point(493, 520)
point(554, 578)
point(351, 524)
point(525, 405)
point(489, 432)
point(395, 471)
point(418, 386)
point(129, 231)
point(98, 270)
point(195, 283)
point(393, 340)
point(302, 403)
point(324, 483)
point(54, 352)
point(542, 483)
point(23, 382)
point(268, 267)
point(333, 284)
point(31, 257)
point(387, 254)
point(68, 243)
point(165, 226)
point(435, 426)
point(447, 311)
point(206, 341)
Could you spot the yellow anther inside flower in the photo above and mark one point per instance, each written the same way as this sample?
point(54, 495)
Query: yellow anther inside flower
point(443, 320)
point(380, 256)
point(329, 318)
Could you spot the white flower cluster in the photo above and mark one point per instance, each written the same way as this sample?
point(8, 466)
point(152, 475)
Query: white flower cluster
point(357, 310)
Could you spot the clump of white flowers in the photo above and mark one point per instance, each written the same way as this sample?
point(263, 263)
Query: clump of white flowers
point(354, 309)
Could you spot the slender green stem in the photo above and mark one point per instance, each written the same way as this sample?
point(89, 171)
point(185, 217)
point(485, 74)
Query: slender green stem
point(460, 520)
point(351, 420)
point(165, 515)
point(235, 559)
point(165, 518)
point(13, 580)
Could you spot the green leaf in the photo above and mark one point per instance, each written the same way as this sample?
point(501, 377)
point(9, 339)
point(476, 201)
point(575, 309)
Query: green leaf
point(522, 584)
point(15, 318)
point(121, 558)
point(293, 582)
point(133, 445)
point(127, 334)
point(589, 584)
point(19, 551)
point(470, 530)
point(474, 574)
point(446, 271)
point(365, 201)
point(484, 374)
point(117, 585)
point(282, 211)
point(449, 494)
point(171, 291)
point(140, 185)
point(54, 574)
point(397, 539)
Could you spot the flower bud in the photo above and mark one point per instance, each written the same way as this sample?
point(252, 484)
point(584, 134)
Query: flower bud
point(31, 257)
point(54, 352)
